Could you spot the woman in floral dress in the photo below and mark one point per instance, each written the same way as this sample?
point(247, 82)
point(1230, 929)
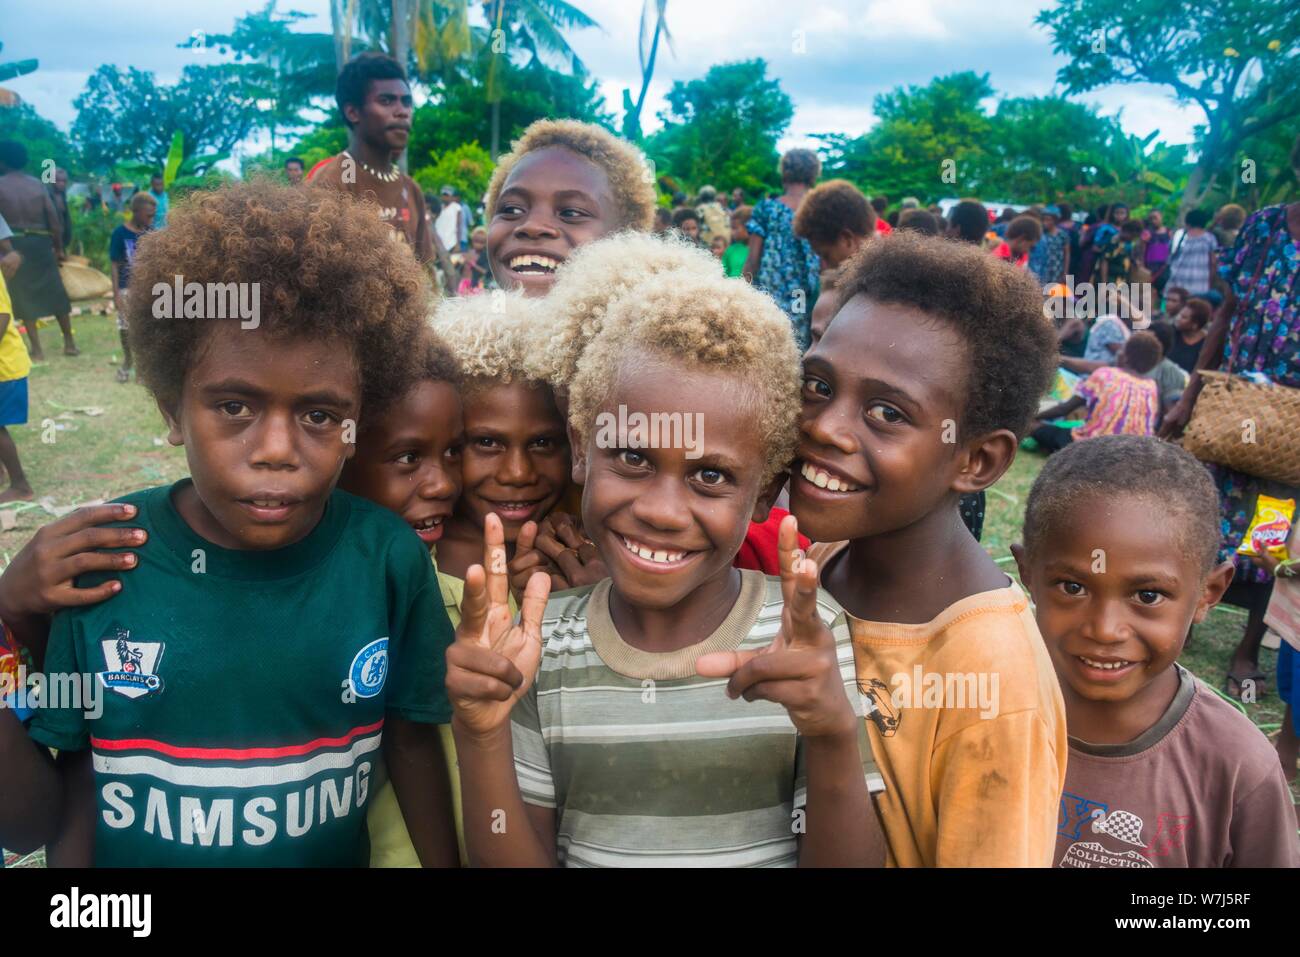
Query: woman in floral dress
point(1260, 313)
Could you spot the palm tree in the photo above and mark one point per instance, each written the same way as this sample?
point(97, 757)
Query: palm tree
point(632, 116)
point(536, 26)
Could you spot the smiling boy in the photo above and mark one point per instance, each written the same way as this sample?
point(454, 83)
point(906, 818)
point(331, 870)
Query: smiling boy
point(1120, 545)
point(917, 394)
point(623, 748)
point(563, 184)
point(272, 625)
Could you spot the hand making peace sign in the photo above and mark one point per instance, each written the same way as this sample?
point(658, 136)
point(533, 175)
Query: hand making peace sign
point(494, 660)
point(799, 669)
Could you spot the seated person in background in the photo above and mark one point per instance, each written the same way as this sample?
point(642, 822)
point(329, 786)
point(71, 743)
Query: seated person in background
point(1168, 377)
point(1119, 399)
point(1190, 324)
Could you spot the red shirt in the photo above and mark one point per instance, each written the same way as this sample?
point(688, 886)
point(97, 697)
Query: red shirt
point(758, 551)
point(883, 227)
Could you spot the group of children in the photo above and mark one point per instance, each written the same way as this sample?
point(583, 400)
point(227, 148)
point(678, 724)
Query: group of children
point(484, 589)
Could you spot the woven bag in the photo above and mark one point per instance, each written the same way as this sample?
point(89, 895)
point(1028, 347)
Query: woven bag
point(84, 282)
point(1245, 425)
point(1248, 427)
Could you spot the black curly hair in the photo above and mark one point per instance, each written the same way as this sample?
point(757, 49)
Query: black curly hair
point(831, 208)
point(1177, 486)
point(325, 268)
point(356, 76)
point(996, 308)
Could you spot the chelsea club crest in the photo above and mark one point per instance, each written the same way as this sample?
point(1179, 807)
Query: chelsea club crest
point(369, 669)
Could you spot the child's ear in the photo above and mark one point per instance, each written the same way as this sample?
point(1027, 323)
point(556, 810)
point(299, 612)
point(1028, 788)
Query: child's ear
point(1022, 565)
point(767, 495)
point(578, 452)
point(1216, 583)
point(987, 460)
point(175, 434)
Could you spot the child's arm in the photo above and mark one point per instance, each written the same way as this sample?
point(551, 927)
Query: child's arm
point(754, 258)
point(39, 581)
point(490, 666)
point(31, 789)
point(800, 670)
point(75, 844)
point(1061, 409)
point(418, 768)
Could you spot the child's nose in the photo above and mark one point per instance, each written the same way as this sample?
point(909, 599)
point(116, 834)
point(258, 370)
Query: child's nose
point(1109, 624)
point(517, 468)
point(275, 446)
point(436, 483)
point(663, 507)
point(830, 428)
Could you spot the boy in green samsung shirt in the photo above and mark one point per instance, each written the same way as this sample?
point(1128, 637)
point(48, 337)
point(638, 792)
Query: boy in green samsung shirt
point(276, 632)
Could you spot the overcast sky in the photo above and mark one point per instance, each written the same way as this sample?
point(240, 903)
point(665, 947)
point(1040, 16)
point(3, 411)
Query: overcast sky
point(831, 56)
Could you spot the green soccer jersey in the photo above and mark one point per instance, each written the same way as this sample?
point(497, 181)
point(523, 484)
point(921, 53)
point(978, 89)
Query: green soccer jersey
point(243, 693)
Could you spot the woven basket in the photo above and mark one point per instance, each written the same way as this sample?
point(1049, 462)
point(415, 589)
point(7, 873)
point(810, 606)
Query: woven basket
point(84, 282)
point(1228, 409)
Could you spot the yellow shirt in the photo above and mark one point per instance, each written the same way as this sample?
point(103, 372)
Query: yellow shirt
point(390, 843)
point(968, 731)
point(14, 361)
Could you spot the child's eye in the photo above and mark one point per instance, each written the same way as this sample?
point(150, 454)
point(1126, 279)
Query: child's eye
point(817, 387)
point(454, 451)
point(510, 209)
point(234, 409)
point(548, 443)
point(407, 458)
point(884, 413)
point(319, 417)
point(483, 442)
point(1149, 596)
point(1072, 588)
point(632, 459)
point(571, 212)
point(711, 477)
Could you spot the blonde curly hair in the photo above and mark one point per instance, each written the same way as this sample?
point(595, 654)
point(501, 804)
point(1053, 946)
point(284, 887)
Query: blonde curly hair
point(625, 166)
point(715, 324)
point(490, 336)
point(588, 283)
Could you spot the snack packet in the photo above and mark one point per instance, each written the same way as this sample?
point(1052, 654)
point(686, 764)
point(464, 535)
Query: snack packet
point(1269, 528)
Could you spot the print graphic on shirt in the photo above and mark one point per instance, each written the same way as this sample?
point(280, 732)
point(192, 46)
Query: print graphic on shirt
point(880, 706)
point(369, 669)
point(1119, 825)
point(1075, 812)
point(131, 667)
point(1170, 829)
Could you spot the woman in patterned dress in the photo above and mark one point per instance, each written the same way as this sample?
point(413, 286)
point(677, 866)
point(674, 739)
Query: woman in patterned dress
point(780, 263)
point(1260, 313)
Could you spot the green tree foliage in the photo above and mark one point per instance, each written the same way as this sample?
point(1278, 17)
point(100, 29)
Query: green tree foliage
point(1238, 61)
point(462, 111)
point(125, 116)
point(42, 138)
point(467, 167)
point(723, 128)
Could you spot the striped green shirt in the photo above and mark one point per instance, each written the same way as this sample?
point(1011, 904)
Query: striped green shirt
point(648, 764)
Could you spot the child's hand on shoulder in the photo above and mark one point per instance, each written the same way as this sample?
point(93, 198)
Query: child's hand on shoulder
point(494, 660)
point(800, 669)
point(563, 541)
point(528, 560)
point(39, 581)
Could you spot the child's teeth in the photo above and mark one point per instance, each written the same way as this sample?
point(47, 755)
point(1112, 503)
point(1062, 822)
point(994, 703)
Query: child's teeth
point(833, 485)
point(823, 479)
point(661, 556)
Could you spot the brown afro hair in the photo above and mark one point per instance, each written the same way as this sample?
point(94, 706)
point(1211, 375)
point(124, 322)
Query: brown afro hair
point(830, 209)
point(326, 268)
point(630, 180)
point(995, 307)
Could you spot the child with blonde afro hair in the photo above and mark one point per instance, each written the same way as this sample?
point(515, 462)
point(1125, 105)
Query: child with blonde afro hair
point(563, 184)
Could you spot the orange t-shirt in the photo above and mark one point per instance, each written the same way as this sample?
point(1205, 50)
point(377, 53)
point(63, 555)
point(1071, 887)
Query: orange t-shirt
point(968, 731)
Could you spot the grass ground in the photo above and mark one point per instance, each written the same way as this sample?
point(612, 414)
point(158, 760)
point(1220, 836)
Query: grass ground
point(122, 449)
